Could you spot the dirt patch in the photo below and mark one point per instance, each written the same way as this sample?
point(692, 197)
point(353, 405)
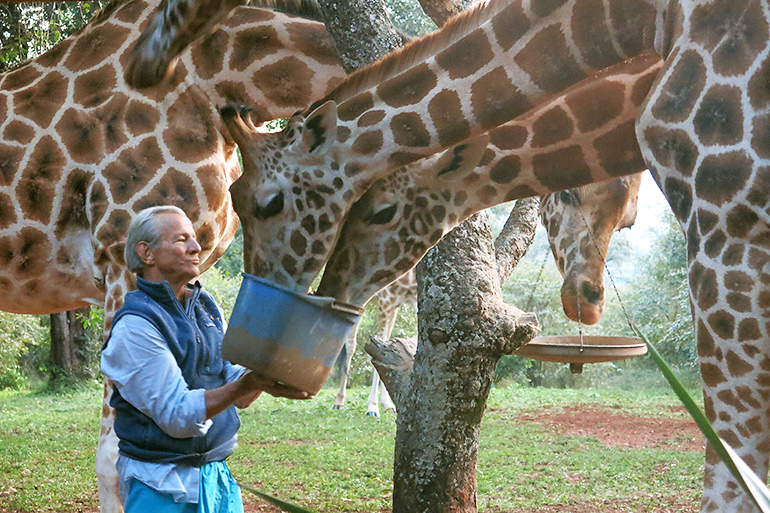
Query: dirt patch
point(615, 429)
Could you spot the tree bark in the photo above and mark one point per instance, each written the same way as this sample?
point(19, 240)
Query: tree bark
point(68, 342)
point(464, 328)
point(441, 10)
point(362, 31)
point(516, 236)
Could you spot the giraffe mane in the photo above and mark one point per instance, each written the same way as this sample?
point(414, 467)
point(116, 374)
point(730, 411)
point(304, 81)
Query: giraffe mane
point(416, 51)
point(304, 8)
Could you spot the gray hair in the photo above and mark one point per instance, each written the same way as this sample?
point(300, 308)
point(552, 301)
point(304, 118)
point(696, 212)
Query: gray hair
point(144, 228)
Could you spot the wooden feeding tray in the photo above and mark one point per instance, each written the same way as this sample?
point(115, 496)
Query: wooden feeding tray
point(591, 350)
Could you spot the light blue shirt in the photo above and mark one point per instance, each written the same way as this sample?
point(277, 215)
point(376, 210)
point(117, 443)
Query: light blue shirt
point(139, 363)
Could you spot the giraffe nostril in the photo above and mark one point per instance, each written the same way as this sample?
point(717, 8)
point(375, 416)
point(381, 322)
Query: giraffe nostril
point(591, 293)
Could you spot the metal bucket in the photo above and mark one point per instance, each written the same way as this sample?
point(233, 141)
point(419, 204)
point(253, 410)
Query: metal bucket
point(292, 338)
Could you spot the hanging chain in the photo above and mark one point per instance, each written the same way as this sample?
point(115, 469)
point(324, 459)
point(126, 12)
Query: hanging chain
point(609, 275)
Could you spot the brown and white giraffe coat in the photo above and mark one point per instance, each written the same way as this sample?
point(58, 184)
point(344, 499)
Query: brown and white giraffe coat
point(81, 152)
point(703, 133)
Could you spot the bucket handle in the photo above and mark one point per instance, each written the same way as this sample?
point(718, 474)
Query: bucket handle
point(347, 308)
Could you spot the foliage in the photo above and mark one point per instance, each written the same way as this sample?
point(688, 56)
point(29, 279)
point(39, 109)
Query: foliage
point(407, 15)
point(28, 30)
point(342, 461)
point(19, 334)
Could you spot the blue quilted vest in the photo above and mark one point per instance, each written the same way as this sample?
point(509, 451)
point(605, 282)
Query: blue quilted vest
point(194, 335)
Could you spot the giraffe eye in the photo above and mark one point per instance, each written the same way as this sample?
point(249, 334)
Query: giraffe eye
point(273, 207)
point(569, 197)
point(383, 216)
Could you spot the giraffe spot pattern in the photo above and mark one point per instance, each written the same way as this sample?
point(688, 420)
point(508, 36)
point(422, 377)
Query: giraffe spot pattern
point(286, 82)
point(506, 169)
point(20, 78)
point(672, 148)
point(446, 114)
point(370, 118)
point(209, 58)
point(41, 103)
point(133, 169)
point(714, 244)
point(10, 156)
point(510, 25)
point(213, 185)
point(551, 127)
point(140, 118)
point(748, 329)
point(682, 89)
point(759, 93)
point(83, 136)
point(740, 221)
point(7, 212)
point(679, 196)
point(632, 22)
point(409, 130)
point(733, 255)
point(72, 214)
point(53, 57)
point(760, 135)
point(206, 236)
point(114, 229)
point(548, 61)
point(190, 137)
point(593, 111)
point(94, 87)
point(97, 200)
point(368, 143)
point(562, 169)
point(495, 100)
point(314, 42)
point(174, 188)
point(18, 131)
point(409, 87)
point(712, 375)
point(26, 254)
point(719, 119)
point(37, 186)
point(508, 137)
point(90, 48)
point(356, 106)
point(111, 117)
point(593, 40)
point(739, 302)
point(720, 177)
point(298, 243)
point(707, 221)
point(723, 324)
point(734, 31)
point(467, 57)
point(618, 150)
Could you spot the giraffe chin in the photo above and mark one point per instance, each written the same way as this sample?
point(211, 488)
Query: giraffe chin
point(587, 313)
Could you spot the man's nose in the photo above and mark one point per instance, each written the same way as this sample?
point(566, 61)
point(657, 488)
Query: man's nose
point(193, 246)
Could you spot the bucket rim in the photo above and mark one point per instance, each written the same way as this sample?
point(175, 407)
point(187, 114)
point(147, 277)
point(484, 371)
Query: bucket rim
point(319, 301)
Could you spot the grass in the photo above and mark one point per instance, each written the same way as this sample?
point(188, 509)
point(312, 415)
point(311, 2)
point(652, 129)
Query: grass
point(341, 461)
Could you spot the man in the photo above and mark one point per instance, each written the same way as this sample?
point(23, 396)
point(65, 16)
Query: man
point(174, 396)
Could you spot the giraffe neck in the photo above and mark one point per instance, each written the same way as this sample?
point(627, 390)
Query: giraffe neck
point(566, 143)
point(482, 69)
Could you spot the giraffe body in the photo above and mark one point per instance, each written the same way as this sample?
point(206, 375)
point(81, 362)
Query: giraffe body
point(80, 152)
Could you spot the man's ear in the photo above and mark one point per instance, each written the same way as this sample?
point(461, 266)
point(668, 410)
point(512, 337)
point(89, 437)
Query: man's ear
point(145, 253)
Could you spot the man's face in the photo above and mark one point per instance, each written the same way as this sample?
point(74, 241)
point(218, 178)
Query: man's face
point(177, 257)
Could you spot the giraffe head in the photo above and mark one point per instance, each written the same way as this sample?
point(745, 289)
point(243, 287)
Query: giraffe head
point(580, 223)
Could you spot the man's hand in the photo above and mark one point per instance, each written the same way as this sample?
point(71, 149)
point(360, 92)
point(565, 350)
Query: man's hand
point(258, 383)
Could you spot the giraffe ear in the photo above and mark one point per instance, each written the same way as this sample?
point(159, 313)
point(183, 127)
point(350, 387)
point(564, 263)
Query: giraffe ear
point(319, 131)
point(461, 159)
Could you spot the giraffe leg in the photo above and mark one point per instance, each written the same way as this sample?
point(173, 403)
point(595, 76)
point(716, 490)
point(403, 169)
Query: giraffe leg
point(385, 400)
point(343, 362)
point(372, 407)
point(107, 458)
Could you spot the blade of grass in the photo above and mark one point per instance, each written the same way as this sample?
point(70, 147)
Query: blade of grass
point(745, 476)
point(286, 506)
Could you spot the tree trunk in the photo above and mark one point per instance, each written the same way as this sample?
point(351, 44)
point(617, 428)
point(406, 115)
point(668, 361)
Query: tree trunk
point(68, 342)
point(441, 10)
point(361, 29)
point(464, 328)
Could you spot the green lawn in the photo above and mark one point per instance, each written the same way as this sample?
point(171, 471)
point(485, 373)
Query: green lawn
point(341, 461)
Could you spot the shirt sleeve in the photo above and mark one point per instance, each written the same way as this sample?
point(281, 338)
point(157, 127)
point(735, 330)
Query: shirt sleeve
point(140, 364)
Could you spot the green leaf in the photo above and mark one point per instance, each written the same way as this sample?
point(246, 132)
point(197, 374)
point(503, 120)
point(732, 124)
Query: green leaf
point(742, 473)
point(291, 508)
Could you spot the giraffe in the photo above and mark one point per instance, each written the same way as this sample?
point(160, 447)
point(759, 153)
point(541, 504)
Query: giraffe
point(701, 133)
point(388, 301)
point(579, 224)
point(81, 152)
